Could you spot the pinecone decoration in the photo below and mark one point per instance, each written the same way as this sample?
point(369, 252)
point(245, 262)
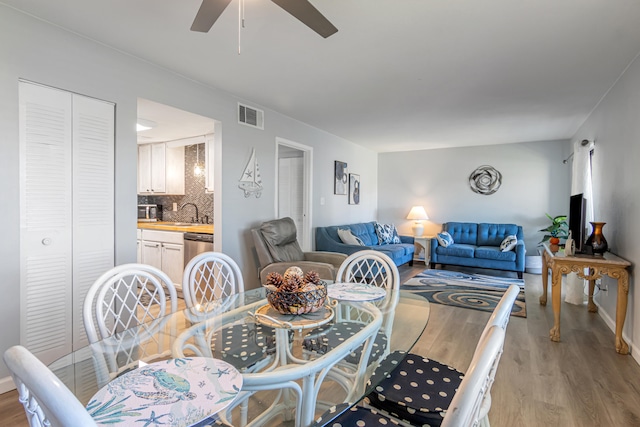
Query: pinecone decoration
point(292, 271)
point(293, 283)
point(312, 277)
point(274, 279)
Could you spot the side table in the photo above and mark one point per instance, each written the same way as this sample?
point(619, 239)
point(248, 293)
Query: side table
point(422, 249)
point(597, 266)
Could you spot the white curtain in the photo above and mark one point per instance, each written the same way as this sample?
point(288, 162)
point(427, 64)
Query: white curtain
point(580, 183)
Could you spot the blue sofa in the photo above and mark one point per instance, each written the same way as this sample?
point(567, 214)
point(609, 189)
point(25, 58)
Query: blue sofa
point(478, 245)
point(327, 240)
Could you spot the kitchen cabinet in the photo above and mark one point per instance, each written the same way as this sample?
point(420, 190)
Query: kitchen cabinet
point(160, 169)
point(172, 262)
point(165, 251)
point(139, 246)
point(66, 213)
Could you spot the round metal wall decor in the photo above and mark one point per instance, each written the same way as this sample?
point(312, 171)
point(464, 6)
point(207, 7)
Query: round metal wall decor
point(485, 180)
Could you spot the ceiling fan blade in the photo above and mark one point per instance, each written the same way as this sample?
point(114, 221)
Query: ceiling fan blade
point(308, 15)
point(208, 13)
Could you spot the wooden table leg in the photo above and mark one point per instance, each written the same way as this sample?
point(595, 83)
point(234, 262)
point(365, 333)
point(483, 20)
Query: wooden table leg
point(592, 284)
point(545, 279)
point(556, 288)
point(621, 311)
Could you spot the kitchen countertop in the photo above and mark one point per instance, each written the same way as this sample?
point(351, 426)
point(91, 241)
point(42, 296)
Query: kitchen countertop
point(170, 226)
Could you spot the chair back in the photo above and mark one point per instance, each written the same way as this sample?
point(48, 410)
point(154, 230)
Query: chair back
point(369, 266)
point(276, 241)
point(502, 313)
point(465, 407)
point(128, 303)
point(210, 277)
point(46, 400)
point(125, 296)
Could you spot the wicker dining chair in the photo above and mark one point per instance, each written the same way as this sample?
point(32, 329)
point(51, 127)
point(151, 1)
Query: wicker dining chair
point(466, 403)
point(128, 304)
point(396, 393)
point(46, 400)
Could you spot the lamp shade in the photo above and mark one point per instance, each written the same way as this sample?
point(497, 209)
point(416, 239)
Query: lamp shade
point(417, 213)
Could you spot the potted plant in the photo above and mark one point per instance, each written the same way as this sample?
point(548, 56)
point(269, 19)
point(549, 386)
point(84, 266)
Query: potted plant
point(559, 229)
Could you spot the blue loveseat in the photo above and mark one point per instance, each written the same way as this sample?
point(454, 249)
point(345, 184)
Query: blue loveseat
point(478, 245)
point(327, 240)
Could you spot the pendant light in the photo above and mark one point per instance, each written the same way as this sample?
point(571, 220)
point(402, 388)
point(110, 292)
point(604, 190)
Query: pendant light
point(198, 169)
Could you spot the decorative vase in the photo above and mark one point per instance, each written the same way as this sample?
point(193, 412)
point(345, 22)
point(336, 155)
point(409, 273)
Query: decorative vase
point(596, 241)
point(554, 240)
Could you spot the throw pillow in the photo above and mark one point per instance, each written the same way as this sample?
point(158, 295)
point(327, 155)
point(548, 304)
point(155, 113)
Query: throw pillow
point(387, 234)
point(348, 238)
point(444, 239)
point(508, 243)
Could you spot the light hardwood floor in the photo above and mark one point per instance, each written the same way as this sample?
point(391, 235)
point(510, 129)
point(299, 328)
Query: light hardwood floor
point(579, 382)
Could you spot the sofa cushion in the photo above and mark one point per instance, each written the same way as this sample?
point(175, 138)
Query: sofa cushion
point(387, 234)
point(509, 243)
point(347, 237)
point(444, 239)
point(365, 231)
point(394, 252)
point(457, 249)
point(494, 234)
point(494, 252)
point(463, 232)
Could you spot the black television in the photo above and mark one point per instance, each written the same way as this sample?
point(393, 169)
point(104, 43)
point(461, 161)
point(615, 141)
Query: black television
point(577, 211)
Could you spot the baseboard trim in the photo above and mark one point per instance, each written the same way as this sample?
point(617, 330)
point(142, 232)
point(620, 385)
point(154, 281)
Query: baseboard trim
point(6, 384)
point(611, 323)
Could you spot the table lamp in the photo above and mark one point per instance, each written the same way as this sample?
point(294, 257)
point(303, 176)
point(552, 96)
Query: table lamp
point(417, 214)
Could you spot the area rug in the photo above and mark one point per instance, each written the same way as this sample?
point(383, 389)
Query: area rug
point(475, 291)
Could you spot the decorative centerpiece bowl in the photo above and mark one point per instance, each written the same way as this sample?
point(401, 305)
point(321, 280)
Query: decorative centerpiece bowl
point(295, 293)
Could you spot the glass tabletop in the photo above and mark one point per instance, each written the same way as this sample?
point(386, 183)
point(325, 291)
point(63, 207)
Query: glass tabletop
point(230, 330)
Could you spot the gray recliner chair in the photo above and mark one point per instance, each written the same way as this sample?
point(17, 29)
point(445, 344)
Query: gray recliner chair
point(278, 249)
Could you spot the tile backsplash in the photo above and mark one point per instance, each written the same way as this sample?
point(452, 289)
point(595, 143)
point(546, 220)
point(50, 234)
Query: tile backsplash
point(194, 193)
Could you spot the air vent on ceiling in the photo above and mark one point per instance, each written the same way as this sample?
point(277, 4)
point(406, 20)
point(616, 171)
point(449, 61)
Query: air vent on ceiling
point(250, 116)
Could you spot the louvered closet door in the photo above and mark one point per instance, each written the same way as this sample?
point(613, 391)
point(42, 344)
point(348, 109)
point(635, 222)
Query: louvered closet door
point(93, 200)
point(45, 221)
point(66, 208)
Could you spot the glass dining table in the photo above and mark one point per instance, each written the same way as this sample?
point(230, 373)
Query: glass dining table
point(239, 361)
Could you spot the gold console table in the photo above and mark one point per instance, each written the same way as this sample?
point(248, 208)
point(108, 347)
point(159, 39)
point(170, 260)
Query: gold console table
point(597, 266)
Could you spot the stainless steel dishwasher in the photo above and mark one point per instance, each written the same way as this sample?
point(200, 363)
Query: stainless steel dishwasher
point(196, 243)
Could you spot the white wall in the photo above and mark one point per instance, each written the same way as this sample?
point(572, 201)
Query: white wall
point(534, 181)
point(615, 127)
point(33, 50)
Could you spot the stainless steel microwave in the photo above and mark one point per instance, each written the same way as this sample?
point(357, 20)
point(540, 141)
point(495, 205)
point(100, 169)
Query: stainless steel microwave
point(149, 213)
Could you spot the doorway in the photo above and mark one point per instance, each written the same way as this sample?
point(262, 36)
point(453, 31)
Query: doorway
point(181, 150)
point(293, 190)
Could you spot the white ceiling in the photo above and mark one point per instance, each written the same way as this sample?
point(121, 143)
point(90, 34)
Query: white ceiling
point(399, 74)
point(170, 123)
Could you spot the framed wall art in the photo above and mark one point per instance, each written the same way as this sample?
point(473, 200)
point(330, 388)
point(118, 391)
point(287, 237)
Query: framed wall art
point(340, 177)
point(354, 189)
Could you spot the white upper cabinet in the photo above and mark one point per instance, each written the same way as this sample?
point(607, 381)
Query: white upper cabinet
point(160, 169)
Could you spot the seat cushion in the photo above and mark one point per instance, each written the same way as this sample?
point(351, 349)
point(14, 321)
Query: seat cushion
point(457, 249)
point(343, 416)
point(419, 390)
point(337, 334)
point(494, 252)
point(243, 345)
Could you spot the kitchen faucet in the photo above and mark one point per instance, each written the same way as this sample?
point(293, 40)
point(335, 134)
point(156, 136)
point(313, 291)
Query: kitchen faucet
point(194, 205)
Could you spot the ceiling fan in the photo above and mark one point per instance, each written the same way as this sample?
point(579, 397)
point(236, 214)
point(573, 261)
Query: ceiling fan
point(304, 11)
